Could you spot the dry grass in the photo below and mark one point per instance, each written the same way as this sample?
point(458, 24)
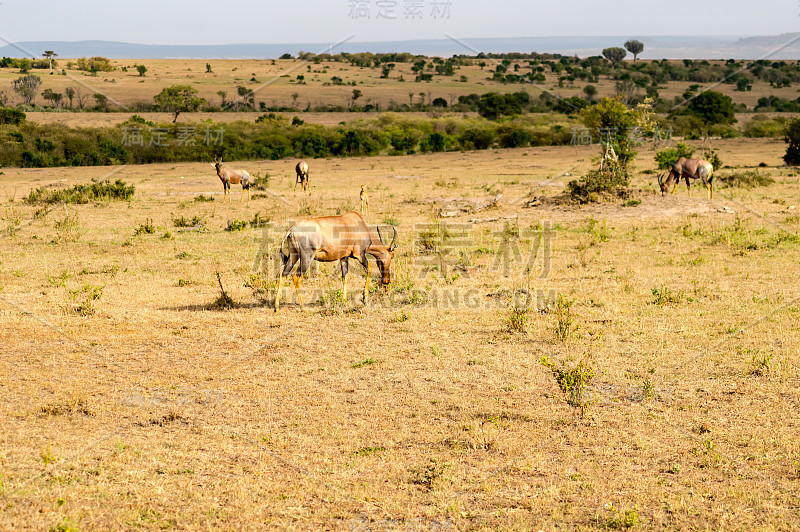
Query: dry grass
point(421, 410)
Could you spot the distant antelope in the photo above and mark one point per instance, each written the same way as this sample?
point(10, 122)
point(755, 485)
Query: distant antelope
point(688, 169)
point(228, 176)
point(364, 197)
point(331, 238)
point(302, 174)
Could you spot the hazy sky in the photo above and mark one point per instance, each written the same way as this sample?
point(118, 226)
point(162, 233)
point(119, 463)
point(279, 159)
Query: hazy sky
point(238, 21)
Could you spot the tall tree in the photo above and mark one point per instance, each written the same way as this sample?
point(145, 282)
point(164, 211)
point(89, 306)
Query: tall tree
point(178, 99)
point(49, 55)
point(615, 54)
point(69, 92)
point(635, 47)
point(27, 87)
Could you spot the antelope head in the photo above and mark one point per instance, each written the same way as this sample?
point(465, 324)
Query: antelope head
point(664, 181)
point(218, 164)
point(385, 256)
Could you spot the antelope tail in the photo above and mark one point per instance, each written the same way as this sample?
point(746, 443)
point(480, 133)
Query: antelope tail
point(284, 256)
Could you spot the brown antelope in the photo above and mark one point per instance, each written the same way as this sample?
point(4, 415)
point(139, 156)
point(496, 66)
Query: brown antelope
point(688, 169)
point(330, 238)
point(228, 176)
point(302, 174)
point(364, 197)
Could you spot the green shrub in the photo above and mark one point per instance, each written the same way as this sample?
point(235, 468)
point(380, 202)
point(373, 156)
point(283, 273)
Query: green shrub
point(763, 126)
point(236, 225)
point(595, 183)
point(565, 320)
point(11, 116)
point(94, 191)
point(183, 221)
point(746, 179)
point(666, 159)
point(516, 319)
point(573, 381)
point(147, 228)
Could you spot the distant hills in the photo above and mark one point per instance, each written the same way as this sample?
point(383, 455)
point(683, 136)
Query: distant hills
point(786, 46)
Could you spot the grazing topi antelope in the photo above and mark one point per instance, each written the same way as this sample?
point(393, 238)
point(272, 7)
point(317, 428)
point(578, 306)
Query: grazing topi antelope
point(688, 169)
point(364, 197)
point(302, 174)
point(330, 238)
point(228, 176)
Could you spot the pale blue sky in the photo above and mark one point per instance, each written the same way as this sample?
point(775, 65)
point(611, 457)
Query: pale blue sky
point(238, 21)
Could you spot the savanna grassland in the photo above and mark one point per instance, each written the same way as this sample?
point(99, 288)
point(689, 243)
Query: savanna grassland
point(275, 84)
point(136, 395)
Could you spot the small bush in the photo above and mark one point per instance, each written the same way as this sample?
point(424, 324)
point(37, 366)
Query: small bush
point(202, 198)
point(68, 228)
point(94, 191)
point(516, 319)
point(183, 221)
point(401, 316)
point(761, 365)
point(565, 320)
point(573, 381)
point(146, 228)
point(366, 362)
point(236, 225)
point(11, 116)
point(746, 179)
point(83, 299)
point(763, 127)
point(663, 296)
point(589, 189)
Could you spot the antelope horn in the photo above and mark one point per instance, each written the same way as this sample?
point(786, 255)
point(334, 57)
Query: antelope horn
point(393, 245)
point(661, 178)
point(380, 236)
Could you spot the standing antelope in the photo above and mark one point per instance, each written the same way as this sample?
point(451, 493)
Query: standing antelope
point(330, 238)
point(302, 174)
point(688, 169)
point(364, 197)
point(228, 176)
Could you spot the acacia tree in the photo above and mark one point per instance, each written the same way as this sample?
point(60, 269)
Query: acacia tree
point(178, 99)
point(49, 55)
point(27, 87)
point(615, 54)
point(246, 96)
point(635, 47)
point(53, 97)
point(142, 70)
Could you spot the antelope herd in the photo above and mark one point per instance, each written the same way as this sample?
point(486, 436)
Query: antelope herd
point(345, 237)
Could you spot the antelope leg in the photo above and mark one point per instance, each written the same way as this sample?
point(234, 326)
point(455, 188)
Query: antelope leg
point(366, 285)
point(297, 279)
point(278, 295)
